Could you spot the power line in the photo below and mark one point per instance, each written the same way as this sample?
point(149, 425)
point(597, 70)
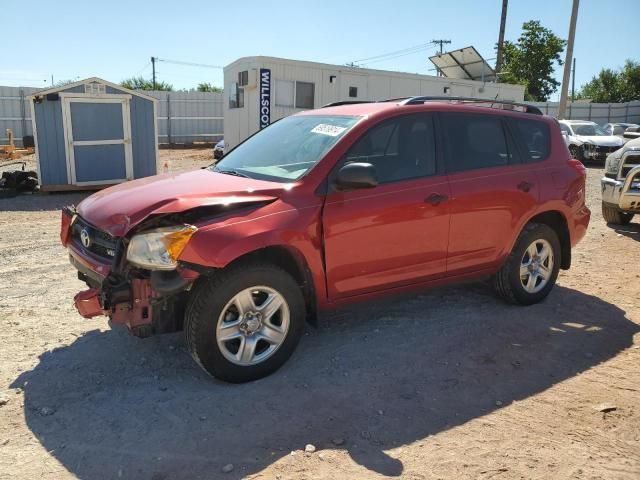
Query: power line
point(402, 51)
point(143, 68)
point(398, 56)
point(187, 64)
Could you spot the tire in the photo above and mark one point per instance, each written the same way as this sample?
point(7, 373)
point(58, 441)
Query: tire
point(614, 216)
point(214, 312)
point(508, 282)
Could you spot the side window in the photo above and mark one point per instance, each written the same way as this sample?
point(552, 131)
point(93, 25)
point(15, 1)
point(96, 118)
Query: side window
point(565, 129)
point(474, 141)
point(400, 148)
point(533, 136)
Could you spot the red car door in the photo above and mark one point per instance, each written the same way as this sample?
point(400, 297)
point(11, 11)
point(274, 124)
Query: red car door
point(395, 233)
point(492, 190)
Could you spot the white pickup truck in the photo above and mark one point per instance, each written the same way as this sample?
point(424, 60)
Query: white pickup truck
point(621, 184)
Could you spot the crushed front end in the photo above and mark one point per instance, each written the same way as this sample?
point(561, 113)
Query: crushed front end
point(146, 300)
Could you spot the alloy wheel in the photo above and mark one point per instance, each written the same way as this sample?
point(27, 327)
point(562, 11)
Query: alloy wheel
point(536, 266)
point(253, 325)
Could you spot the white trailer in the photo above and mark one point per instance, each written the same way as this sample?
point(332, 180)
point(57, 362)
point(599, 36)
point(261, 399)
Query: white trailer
point(260, 90)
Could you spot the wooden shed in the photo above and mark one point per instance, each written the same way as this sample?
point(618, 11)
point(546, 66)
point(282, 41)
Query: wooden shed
point(93, 133)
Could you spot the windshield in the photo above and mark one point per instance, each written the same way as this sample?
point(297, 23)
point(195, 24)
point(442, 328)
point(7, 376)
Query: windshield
point(588, 129)
point(287, 149)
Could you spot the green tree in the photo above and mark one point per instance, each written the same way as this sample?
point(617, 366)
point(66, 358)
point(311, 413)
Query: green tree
point(208, 87)
point(141, 83)
point(530, 61)
point(614, 85)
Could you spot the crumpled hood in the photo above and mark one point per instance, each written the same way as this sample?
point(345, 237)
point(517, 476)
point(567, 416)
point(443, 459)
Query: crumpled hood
point(601, 140)
point(118, 209)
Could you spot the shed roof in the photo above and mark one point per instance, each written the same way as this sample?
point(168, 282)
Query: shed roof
point(93, 79)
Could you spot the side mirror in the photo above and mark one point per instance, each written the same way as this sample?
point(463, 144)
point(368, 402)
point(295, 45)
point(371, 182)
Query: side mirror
point(356, 175)
point(618, 130)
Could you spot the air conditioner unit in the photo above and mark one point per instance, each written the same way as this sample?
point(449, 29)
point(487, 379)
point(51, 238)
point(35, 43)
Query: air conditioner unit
point(243, 78)
point(247, 79)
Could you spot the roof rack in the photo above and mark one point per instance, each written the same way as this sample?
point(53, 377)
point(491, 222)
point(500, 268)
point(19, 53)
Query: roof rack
point(417, 100)
point(346, 102)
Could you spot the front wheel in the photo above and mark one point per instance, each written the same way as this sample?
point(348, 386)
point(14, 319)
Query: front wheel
point(532, 267)
point(244, 323)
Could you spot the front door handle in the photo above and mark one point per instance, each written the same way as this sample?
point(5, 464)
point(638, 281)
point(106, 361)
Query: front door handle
point(525, 186)
point(436, 199)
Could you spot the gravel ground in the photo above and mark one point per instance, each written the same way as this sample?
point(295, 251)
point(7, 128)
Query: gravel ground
point(451, 383)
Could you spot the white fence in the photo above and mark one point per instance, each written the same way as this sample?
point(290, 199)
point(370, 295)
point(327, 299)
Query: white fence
point(15, 113)
point(189, 117)
point(183, 117)
point(596, 112)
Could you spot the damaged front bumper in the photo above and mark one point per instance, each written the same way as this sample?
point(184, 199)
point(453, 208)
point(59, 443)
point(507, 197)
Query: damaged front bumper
point(597, 152)
point(144, 301)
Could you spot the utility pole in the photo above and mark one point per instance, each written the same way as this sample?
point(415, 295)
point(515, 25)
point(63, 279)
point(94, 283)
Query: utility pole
point(503, 21)
point(52, 79)
point(153, 68)
point(573, 81)
point(562, 108)
point(441, 42)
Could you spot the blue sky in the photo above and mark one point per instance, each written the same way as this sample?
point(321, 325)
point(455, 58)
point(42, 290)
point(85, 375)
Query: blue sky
point(115, 39)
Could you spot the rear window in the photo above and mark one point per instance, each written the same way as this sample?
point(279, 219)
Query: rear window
point(533, 136)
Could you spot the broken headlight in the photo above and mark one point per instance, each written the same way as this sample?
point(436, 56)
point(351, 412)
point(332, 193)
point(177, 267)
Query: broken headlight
point(159, 249)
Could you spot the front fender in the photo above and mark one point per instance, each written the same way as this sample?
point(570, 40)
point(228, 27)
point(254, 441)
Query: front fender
point(218, 245)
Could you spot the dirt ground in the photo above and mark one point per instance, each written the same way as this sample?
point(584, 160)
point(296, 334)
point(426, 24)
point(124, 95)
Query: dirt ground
point(451, 383)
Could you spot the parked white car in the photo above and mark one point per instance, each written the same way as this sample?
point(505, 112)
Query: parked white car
point(618, 129)
point(588, 140)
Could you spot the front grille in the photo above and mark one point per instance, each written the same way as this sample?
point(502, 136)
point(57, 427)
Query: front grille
point(101, 243)
point(630, 161)
point(601, 153)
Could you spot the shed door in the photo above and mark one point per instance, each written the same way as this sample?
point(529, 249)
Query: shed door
point(98, 136)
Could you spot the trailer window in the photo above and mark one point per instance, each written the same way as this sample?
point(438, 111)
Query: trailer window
point(284, 93)
point(304, 94)
point(236, 96)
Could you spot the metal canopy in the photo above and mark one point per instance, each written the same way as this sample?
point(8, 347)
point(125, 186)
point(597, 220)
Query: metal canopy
point(465, 63)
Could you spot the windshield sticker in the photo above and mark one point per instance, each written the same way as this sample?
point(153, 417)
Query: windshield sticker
point(331, 130)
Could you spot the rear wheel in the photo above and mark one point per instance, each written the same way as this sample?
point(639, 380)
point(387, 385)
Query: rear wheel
point(244, 323)
point(614, 216)
point(532, 267)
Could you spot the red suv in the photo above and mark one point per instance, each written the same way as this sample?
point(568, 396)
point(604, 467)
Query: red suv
point(329, 206)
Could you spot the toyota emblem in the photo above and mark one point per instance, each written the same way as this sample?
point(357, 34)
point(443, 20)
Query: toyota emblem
point(85, 238)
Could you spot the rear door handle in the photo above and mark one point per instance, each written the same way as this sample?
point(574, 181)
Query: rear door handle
point(525, 186)
point(436, 199)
